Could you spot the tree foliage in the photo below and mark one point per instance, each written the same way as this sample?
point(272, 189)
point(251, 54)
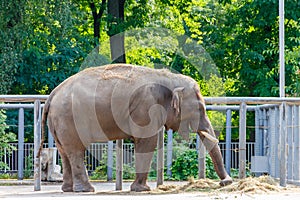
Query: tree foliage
point(44, 42)
point(229, 47)
point(51, 46)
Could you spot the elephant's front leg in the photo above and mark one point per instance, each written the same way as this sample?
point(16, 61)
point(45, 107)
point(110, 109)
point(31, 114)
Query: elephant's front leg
point(144, 149)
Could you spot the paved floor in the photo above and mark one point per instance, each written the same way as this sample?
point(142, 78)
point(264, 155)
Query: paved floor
point(107, 191)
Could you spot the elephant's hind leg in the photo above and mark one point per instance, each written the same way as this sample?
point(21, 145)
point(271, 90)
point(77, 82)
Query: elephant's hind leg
point(80, 178)
point(144, 149)
point(67, 171)
point(67, 174)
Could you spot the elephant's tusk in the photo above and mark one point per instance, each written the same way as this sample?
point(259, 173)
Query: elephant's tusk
point(210, 137)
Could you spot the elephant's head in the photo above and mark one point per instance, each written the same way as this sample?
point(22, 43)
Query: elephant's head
point(188, 113)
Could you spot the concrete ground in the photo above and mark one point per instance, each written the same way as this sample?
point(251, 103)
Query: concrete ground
point(24, 190)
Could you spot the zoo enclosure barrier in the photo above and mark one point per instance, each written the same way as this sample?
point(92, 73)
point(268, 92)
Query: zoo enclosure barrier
point(97, 152)
point(242, 104)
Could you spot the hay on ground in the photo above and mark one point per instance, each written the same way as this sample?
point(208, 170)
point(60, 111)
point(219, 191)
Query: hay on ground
point(263, 184)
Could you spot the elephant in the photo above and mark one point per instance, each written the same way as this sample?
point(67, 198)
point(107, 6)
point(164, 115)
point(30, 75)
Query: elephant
point(123, 101)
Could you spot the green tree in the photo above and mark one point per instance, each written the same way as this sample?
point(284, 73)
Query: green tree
point(11, 35)
point(245, 46)
point(54, 47)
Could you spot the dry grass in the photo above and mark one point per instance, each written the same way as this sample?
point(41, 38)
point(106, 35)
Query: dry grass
point(263, 184)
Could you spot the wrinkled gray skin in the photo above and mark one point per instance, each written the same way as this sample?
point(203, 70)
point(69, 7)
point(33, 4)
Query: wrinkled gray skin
point(123, 101)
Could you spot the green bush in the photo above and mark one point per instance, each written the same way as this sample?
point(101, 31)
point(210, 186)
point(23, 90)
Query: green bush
point(100, 172)
point(5, 139)
point(186, 165)
point(28, 172)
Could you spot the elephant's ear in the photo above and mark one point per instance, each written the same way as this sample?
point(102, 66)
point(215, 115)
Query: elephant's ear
point(176, 99)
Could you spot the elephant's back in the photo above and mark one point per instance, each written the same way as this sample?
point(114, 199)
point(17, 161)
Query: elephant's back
point(125, 72)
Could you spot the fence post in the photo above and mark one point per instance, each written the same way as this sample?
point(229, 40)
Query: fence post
point(160, 156)
point(277, 133)
point(21, 144)
point(119, 165)
point(242, 141)
point(261, 132)
point(272, 142)
point(265, 133)
point(283, 144)
point(110, 160)
point(290, 159)
point(228, 141)
point(201, 157)
point(258, 145)
point(169, 152)
point(37, 141)
point(296, 144)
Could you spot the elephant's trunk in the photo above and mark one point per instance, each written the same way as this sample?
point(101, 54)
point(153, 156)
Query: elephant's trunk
point(211, 144)
point(216, 156)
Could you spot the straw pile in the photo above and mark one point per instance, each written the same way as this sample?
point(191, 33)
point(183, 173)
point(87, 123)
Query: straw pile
point(263, 184)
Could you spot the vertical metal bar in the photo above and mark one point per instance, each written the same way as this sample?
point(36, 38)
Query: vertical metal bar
point(228, 142)
point(169, 152)
point(290, 121)
point(242, 141)
point(296, 163)
point(50, 139)
point(281, 48)
point(119, 165)
point(257, 135)
point(277, 142)
point(272, 142)
point(160, 156)
point(37, 141)
point(110, 160)
point(201, 157)
point(5, 159)
point(283, 142)
point(21, 144)
point(236, 155)
point(261, 132)
point(265, 133)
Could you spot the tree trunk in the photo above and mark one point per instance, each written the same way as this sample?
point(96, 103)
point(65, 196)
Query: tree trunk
point(116, 31)
point(97, 16)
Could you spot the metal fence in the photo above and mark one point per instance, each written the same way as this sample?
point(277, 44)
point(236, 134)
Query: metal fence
point(284, 144)
point(270, 123)
point(96, 154)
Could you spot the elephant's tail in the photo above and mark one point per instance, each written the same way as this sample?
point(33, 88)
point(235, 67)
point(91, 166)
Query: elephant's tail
point(43, 124)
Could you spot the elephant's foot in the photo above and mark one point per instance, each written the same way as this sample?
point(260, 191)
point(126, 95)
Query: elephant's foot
point(66, 187)
point(226, 181)
point(83, 188)
point(139, 187)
